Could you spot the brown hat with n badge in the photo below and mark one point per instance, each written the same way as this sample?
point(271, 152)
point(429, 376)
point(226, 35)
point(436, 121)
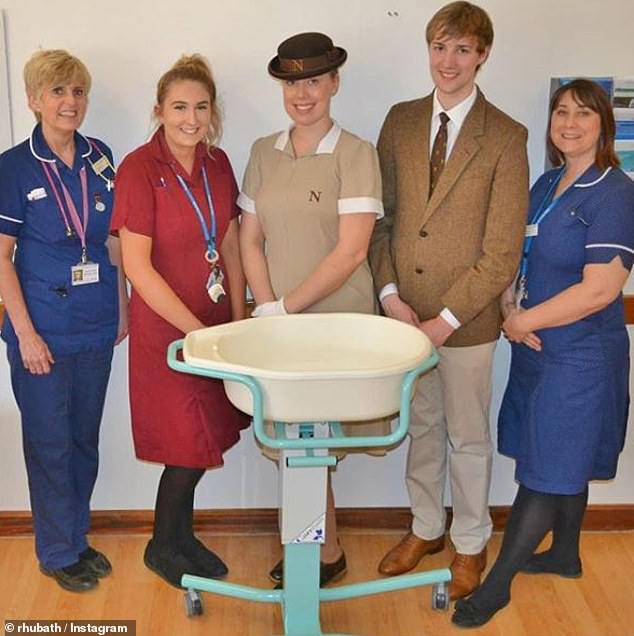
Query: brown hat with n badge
point(306, 55)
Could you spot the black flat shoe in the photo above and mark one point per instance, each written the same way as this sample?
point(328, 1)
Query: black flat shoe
point(206, 562)
point(168, 563)
point(331, 572)
point(328, 572)
point(544, 563)
point(468, 614)
point(277, 573)
point(95, 562)
point(74, 578)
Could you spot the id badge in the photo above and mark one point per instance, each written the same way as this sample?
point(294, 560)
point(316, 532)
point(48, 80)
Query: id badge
point(100, 165)
point(215, 290)
point(84, 274)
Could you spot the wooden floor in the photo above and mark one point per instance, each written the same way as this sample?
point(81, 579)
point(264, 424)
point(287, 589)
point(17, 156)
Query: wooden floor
point(599, 604)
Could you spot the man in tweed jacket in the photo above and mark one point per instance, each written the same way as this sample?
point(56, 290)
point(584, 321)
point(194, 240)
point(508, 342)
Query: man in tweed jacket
point(441, 258)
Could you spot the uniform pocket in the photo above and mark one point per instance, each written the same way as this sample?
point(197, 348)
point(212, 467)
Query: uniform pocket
point(95, 306)
point(48, 304)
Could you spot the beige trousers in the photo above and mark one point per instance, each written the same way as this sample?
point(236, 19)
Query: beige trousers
point(450, 425)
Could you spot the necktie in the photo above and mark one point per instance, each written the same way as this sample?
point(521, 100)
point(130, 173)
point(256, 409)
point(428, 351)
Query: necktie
point(438, 152)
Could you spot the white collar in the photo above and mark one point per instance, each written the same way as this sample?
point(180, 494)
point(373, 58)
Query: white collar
point(593, 183)
point(325, 147)
point(459, 112)
point(32, 148)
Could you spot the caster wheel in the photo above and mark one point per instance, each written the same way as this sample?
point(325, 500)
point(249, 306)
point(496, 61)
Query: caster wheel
point(440, 597)
point(193, 604)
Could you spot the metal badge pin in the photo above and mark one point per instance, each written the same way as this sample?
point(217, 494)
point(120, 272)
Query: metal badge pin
point(100, 206)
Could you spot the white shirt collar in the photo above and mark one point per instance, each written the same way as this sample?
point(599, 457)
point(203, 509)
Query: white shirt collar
point(459, 112)
point(325, 147)
point(282, 139)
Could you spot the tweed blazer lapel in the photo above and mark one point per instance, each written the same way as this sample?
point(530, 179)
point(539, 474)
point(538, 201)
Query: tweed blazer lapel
point(464, 150)
point(417, 140)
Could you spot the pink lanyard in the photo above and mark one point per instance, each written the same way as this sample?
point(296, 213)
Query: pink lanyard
point(80, 227)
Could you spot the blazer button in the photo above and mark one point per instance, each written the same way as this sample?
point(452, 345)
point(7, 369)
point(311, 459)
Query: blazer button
point(419, 270)
point(422, 234)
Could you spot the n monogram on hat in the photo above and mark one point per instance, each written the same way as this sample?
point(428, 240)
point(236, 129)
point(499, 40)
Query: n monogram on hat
point(306, 55)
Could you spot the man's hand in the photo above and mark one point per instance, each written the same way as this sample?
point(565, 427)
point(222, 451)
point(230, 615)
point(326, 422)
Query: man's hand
point(395, 308)
point(437, 330)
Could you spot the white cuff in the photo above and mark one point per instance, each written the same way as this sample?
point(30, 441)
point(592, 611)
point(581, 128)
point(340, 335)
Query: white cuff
point(388, 290)
point(245, 203)
point(449, 318)
point(356, 205)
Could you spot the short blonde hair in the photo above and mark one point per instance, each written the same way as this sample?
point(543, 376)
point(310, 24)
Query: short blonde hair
point(194, 68)
point(51, 67)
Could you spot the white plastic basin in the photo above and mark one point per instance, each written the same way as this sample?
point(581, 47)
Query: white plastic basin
point(313, 367)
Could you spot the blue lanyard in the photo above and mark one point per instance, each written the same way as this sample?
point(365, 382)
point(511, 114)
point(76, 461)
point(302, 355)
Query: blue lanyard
point(208, 232)
point(541, 213)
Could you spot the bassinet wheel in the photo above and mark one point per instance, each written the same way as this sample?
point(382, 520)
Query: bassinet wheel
point(193, 603)
point(440, 597)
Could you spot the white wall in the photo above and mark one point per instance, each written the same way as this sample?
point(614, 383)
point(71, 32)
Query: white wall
point(127, 45)
point(6, 139)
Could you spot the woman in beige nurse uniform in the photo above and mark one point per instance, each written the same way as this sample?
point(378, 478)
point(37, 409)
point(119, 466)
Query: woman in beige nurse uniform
point(312, 194)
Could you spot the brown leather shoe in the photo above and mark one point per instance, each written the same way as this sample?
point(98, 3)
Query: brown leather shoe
point(466, 570)
point(406, 555)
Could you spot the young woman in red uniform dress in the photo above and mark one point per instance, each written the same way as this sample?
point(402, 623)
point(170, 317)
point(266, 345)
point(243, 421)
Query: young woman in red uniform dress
point(176, 217)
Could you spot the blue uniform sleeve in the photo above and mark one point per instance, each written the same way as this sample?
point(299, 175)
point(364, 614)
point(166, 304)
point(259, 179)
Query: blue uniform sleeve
point(12, 205)
point(612, 231)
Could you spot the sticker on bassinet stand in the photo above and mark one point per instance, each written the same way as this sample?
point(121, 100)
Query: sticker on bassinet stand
point(314, 533)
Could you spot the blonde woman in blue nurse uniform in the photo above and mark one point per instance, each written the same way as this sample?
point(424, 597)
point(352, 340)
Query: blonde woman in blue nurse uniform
point(65, 309)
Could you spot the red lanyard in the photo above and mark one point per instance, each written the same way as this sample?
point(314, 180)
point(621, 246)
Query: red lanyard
point(80, 227)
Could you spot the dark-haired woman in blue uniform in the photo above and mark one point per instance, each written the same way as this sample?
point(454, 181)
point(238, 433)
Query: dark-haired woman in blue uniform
point(564, 413)
point(62, 295)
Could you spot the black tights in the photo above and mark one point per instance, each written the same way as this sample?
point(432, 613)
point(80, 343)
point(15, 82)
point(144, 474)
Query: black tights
point(174, 511)
point(567, 528)
point(533, 514)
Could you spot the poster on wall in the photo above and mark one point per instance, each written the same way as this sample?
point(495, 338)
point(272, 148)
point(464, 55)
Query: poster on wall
point(6, 136)
point(623, 103)
point(620, 90)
